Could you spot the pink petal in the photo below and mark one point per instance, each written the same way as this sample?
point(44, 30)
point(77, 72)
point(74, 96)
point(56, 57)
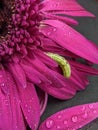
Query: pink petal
point(43, 98)
point(79, 78)
point(3, 83)
point(69, 21)
point(71, 40)
point(51, 46)
point(11, 117)
point(69, 7)
point(59, 93)
point(18, 74)
point(45, 59)
point(71, 118)
point(30, 105)
point(84, 68)
point(34, 75)
point(43, 69)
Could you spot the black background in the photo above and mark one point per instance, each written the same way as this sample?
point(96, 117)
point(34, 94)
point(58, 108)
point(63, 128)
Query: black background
point(89, 28)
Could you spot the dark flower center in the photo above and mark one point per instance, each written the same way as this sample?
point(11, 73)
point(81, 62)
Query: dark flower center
point(5, 15)
point(1, 4)
point(19, 27)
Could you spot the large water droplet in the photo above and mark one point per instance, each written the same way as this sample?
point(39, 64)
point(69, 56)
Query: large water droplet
point(74, 118)
point(49, 123)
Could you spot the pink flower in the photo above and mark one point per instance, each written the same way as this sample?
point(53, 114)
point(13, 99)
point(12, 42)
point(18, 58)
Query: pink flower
point(30, 30)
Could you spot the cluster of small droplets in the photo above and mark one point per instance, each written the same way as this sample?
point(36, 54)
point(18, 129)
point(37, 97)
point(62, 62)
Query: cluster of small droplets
point(75, 122)
point(23, 28)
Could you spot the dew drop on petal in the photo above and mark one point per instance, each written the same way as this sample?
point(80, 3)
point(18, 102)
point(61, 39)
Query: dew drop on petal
point(1, 76)
point(85, 115)
point(49, 123)
point(80, 126)
point(83, 108)
point(73, 129)
point(54, 29)
point(65, 122)
point(59, 116)
point(94, 111)
point(28, 110)
point(91, 106)
point(26, 105)
point(74, 119)
point(2, 85)
point(58, 127)
point(48, 33)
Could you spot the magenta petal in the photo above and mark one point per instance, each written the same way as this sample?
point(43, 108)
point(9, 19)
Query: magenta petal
point(18, 74)
point(3, 83)
point(71, 118)
point(59, 93)
point(34, 75)
point(30, 105)
point(11, 117)
point(43, 98)
point(69, 21)
point(84, 68)
point(69, 7)
point(70, 39)
point(79, 78)
point(45, 59)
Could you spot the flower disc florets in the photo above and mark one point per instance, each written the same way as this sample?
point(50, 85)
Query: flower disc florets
point(18, 26)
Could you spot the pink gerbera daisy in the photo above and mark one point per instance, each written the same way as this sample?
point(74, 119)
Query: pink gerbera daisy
point(39, 55)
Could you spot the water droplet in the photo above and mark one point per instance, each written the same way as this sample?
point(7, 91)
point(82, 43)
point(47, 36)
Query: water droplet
point(2, 85)
point(48, 33)
point(26, 105)
point(26, 117)
point(58, 127)
point(49, 123)
point(54, 29)
point(80, 126)
point(35, 125)
point(94, 111)
point(74, 118)
point(1, 76)
point(65, 122)
point(91, 106)
point(83, 108)
point(85, 115)
point(59, 116)
point(28, 110)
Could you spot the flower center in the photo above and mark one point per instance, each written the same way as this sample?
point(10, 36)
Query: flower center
point(1, 4)
point(5, 15)
point(19, 26)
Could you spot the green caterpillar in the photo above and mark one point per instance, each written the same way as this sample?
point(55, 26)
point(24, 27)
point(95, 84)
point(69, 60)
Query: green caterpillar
point(63, 63)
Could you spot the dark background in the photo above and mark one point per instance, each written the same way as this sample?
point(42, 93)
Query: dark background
point(89, 28)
